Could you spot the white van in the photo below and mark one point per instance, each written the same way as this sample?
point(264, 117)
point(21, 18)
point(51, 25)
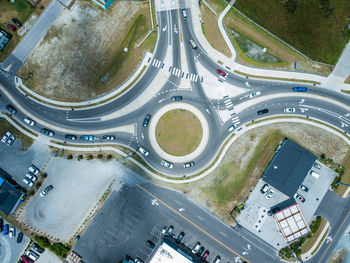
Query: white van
point(193, 44)
point(184, 13)
point(312, 173)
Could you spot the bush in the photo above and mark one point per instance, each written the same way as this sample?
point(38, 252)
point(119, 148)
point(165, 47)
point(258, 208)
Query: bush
point(323, 156)
point(59, 249)
point(315, 225)
point(80, 157)
point(45, 175)
point(89, 157)
point(109, 156)
point(335, 181)
point(285, 253)
point(43, 241)
point(99, 156)
point(70, 157)
point(38, 185)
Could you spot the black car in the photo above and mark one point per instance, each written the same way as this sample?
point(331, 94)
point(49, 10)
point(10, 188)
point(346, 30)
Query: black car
point(47, 132)
point(175, 98)
point(19, 237)
point(71, 137)
point(150, 244)
point(169, 231)
point(261, 112)
point(180, 237)
point(38, 248)
point(14, 20)
point(273, 211)
point(146, 120)
point(11, 109)
point(1, 224)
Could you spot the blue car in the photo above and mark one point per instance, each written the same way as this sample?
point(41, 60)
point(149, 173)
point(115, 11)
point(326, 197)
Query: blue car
point(87, 137)
point(6, 230)
point(300, 89)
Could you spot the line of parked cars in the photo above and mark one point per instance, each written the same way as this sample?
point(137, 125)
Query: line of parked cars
point(16, 22)
point(31, 176)
point(267, 191)
point(8, 138)
point(9, 230)
point(32, 254)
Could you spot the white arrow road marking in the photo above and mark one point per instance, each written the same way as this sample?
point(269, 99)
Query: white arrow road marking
point(247, 83)
point(175, 29)
point(142, 136)
point(344, 125)
point(244, 253)
point(334, 114)
point(154, 202)
point(248, 246)
point(181, 209)
point(164, 28)
point(303, 109)
point(347, 115)
point(302, 101)
point(161, 100)
point(208, 111)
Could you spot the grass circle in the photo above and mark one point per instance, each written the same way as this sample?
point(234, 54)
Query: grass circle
point(179, 132)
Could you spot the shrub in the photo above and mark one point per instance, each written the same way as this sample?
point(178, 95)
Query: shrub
point(70, 157)
point(89, 157)
point(45, 175)
point(109, 156)
point(323, 156)
point(43, 241)
point(99, 156)
point(38, 184)
point(80, 157)
point(59, 249)
point(315, 225)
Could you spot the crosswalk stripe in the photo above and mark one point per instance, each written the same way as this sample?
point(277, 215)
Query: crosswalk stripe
point(173, 72)
point(154, 62)
point(227, 100)
point(196, 78)
point(191, 77)
point(159, 63)
point(236, 122)
point(234, 118)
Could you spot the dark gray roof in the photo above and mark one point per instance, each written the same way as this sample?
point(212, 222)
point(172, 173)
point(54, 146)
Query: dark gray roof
point(10, 196)
point(288, 168)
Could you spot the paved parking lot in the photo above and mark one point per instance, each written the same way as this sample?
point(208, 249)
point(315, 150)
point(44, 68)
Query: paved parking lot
point(10, 250)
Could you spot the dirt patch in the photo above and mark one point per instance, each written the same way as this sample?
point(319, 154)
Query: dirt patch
point(179, 132)
point(83, 54)
point(212, 31)
point(243, 161)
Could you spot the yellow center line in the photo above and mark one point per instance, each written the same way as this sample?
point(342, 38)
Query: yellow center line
point(179, 22)
point(205, 232)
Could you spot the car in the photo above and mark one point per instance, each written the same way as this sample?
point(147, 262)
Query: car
point(169, 231)
point(70, 137)
point(47, 132)
point(11, 109)
point(167, 164)
point(188, 165)
point(263, 189)
point(150, 244)
point(146, 120)
point(263, 111)
point(108, 137)
point(184, 13)
point(143, 151)
point(299, 89)
point(33, 169)
point(10, 140)
point(32, 255)
point(29, 121)
point(288, 110)
point(26, 259)
point(31, 177)
point(217, 259)
point(11, 27)
point(193, 44)
point(304, 188)
point(196, 247)
point(17, 23)
point(180, 237)
point(273, 211)
point(38, 248)
point(200, 251)
point(299, 197)
point(28, 182)
point(317, 165)
point(138, 260)
point(232, 127)
point(5, 231)
point(315, 175)
point(175, 98)
point(12, 231)
point(205, 256)
point(1, 224)
point(46, 190)
point(254, 94)
point(19, 237)
point(270, 193)
point(6, 136)
point(87, 137)
point(221, 73)
point(164, 230)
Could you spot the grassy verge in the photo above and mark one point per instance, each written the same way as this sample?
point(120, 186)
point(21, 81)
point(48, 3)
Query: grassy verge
point(345, 91)
point(347, 81)
point(237, 22)
point(314, 27)
point(311, 241)
point(232, 184)
point(211, 31)
point(217, 5)
point(26, 141)
point(344, 175)
point(21, 10)
point(283, 79)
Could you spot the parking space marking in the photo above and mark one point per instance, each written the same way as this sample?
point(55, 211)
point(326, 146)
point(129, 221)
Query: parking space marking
point(192, 223)
point(200, 218)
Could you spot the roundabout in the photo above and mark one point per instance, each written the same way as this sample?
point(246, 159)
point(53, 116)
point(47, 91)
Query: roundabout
point(179, 132)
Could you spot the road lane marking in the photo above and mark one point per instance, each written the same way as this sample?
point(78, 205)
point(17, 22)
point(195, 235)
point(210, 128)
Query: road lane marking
point(200, 218)
point(192, 223)
point(223, 234)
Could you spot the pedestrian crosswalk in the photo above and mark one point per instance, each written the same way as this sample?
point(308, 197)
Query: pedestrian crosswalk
point(156, 63)
point(229, 106)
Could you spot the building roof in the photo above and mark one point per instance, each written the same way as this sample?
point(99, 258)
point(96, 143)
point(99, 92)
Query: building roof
point(10, 196)
point(291, 222)
point(288, 168)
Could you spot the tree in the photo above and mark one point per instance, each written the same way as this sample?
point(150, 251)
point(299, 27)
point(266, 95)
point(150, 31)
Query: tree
point(59, 249)
point(43, 241)
point(291, 5)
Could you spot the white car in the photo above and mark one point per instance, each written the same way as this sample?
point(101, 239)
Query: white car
point(28, 182)
point(46, 190)
point(12, 231)
point(167, 164)
point(31, 177)
point(254, 94)
point(196, 247)
point(232, 127)
point(143, 151)
point(270, 194)
point(32, 255)
point(288, 110)
point(29, 121)
point(10, 140)
point(6, 136)
point(33, 169)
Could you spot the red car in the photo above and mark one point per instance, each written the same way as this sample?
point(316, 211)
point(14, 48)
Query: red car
point(205, 256)
point(26, 259)
point(11, 27)
point(221, 72)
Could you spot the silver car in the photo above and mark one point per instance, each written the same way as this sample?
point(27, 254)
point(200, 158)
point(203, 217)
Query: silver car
point(143, 151)
point(167, 164)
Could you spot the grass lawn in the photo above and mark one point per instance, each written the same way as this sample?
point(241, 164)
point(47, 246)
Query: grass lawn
point(311, 241)
point(315, 31)
point(211, 30)
point(20, 10)
point(179, 132)
point(26, 141)
point(217, 5)
point(232, 185)
point(345, 178)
